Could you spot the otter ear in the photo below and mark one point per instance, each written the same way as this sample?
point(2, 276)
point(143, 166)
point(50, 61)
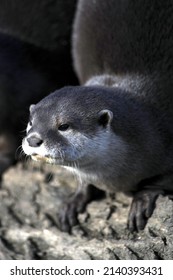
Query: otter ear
point(105, 117)
point(31, 108)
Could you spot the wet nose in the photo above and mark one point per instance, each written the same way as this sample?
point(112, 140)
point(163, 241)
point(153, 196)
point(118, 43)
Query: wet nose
point(34, 141)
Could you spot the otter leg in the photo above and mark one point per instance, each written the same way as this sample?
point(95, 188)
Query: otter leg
point(141, 209)
point(68, 216)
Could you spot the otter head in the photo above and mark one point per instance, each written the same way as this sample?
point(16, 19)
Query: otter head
point(69, 127)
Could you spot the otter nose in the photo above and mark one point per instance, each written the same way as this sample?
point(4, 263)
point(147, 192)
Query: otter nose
point(34, 141)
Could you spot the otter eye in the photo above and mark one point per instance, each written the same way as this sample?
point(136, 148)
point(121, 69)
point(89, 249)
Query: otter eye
point(63, 127)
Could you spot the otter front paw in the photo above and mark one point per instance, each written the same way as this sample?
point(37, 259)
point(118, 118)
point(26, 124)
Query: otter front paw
point(68, 216)
point(142, 208)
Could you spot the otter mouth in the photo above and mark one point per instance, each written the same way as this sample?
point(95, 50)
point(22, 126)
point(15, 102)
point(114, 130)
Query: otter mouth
point(47, 159)
point(37, 157)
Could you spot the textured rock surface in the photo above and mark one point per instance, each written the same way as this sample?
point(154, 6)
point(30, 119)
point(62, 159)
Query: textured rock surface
point(30, 197)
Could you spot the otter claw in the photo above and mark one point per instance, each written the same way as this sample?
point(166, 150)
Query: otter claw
point(68, 216)
point(142, 208)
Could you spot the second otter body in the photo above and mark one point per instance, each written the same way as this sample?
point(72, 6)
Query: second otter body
point(131, 43)
point(116, 130)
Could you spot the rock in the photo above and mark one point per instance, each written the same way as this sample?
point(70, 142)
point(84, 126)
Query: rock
point(30, 197)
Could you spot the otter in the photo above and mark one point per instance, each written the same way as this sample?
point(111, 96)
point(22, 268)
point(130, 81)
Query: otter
point(115, 130)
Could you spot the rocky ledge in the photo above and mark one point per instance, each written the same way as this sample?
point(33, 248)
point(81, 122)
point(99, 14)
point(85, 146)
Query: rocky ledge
point(30, 197)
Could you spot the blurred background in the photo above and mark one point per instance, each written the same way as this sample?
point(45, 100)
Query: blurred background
point(35, 59)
